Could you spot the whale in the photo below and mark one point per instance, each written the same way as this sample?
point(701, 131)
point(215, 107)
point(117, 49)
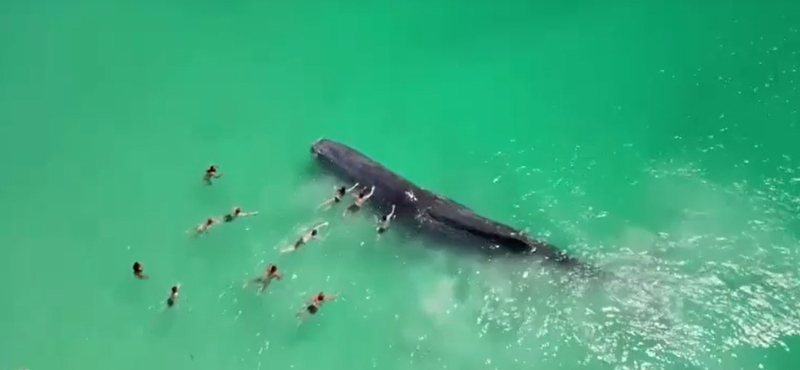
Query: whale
point(427, 213)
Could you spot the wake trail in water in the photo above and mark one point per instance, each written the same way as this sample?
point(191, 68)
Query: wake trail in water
point(723, 277)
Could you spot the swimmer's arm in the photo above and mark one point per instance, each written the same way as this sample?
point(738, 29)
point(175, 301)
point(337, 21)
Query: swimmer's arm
point(278, 275)
point(245, 214)
point(321, 225)
point(391, 214)
point(351, 188)
point(330, 297)
point(371, 191)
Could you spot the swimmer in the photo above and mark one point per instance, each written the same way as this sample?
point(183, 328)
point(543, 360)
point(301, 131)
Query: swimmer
point(205, 226)
point(316, 303)
point(305, 238)
point(383, 221)
point(237, 212)
point(362, 197)
point(338, 193)
point(271, 273)
point(138, 270)
point(173, 296)
point(211, 173)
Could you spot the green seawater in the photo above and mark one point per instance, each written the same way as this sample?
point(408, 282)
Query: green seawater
point(655, 139)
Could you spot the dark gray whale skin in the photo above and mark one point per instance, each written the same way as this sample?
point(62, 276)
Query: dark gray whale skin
point(432, 214)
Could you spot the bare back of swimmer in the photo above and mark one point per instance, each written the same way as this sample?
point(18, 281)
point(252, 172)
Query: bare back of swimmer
point(383, 221)
point(316, 303)
point(270, 274)
point(307, 237)
point(338, 194)
point(173, 295)
point(211, 173)
point(237, 212)
point(361, 198)
point(205, 226)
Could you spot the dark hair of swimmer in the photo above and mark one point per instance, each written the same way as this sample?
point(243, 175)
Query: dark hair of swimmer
point(137, 267)
point(314, 232)
point(320, 296)
point(174, 289)
point(237, 210)
point(273, 268)
point(362, 192)
point(212, 168)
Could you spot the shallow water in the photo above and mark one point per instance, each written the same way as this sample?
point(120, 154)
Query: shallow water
point(654, 140)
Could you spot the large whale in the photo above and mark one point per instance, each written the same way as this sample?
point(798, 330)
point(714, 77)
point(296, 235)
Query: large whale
point(429, 213)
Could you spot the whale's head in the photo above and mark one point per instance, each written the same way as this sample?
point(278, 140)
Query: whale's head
point(330, 151)
point(339, 158)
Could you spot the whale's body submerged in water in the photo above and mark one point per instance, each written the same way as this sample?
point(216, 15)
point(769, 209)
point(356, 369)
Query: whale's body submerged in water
point(429, 213)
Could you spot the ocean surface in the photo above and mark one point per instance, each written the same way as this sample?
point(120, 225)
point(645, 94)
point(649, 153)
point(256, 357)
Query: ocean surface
point(655, 139)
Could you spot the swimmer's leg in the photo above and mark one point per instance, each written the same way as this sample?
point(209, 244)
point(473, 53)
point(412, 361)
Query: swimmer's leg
point(326, 204)
point(264, 285)
point(293, 247)
point(252, 281)
point(304, 315)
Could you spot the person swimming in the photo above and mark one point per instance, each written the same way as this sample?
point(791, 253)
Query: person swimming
point(383, 221)
point(338, 194)
point(307, 237)
point(138, 270)
point(236, 213)
point(270, 274)
point(316, 302)
point(211, 173)
point(205, 226)
point(173, 296)
point(361, 197)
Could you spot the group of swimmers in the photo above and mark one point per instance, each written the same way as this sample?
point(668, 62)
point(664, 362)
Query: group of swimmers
point(272, 273)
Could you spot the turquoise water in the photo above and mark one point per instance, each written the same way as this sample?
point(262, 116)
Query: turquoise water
point(657, 140)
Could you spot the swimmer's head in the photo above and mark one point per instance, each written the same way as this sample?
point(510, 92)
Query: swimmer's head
point(209, 221)
point(212, 168)
point(314, 232)
point(174, 289)
point(273, 268)
point(342, 189)
point(237, 210)
point(320, 296)
point(362, 192)
point(137, 267)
